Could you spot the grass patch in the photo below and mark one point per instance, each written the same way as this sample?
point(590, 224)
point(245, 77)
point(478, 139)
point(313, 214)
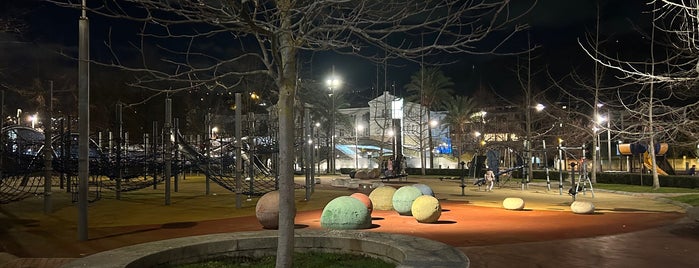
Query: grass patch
point(306, 259)
point(643, 189)
point(691, 199)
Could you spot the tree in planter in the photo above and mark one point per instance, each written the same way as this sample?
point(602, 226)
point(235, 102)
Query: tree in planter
point(273, 35)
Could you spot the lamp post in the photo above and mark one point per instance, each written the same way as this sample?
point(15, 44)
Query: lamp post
point(609, 140)
point(356, 145)
point(433, 124)
point(317, 145)
point(333, 82)
point(600, 119)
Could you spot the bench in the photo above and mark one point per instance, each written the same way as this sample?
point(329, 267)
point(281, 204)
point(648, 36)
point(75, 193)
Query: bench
point(400, 177)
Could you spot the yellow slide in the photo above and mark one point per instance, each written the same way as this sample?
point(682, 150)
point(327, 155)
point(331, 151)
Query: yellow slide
point(648, 162)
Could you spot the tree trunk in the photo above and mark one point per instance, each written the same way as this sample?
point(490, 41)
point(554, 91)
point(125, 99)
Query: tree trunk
point(287, 92)
point(287, 210)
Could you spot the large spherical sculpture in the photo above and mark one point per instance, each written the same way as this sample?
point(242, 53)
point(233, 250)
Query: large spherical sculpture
point(364, 199)
point(424, 188)
point(382, 197)
point(346, 213)
point(403, 199)
point(374, 173)
point(361, 174)
point(267, 210)
point(426, 209)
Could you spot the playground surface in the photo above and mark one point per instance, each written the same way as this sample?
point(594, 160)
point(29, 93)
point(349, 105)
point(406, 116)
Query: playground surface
point(626, 230)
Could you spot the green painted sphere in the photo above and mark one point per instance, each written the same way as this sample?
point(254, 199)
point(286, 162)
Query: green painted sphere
point(382, 197)
point(403, 199)
point(345, 213)
point(426, 209)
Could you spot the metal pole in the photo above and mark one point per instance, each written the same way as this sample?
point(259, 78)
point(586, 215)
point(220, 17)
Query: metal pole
point(120, 129)
point(308, 148)
point(356, 147)
point(48, 153)
point(546, 164)
point(154, 147)
point(2, 124)
point(84, 120)
point(207, 152)
point(332, 136)
point(312, 160)
point(560, 170)
point(609, 141)
point(238, 151)
point(175, 149)
point(145, 155)
point(251, 157)
point(168, 148)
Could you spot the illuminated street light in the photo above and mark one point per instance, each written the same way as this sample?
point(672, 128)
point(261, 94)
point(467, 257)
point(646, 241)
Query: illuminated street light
point(333, 82)
point(539, 107)
point(214, 130)
point(33, 118)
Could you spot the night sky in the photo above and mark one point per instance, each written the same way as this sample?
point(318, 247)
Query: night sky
point(555, 26)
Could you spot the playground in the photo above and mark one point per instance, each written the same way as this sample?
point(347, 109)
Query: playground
point(642, 231)
point(131, 202)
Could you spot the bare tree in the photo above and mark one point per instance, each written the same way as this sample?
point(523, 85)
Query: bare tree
point(664, 104)
point(270, 36)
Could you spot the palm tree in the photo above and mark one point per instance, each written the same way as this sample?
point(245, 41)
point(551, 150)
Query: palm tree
point(459, 110)
point(429, 87)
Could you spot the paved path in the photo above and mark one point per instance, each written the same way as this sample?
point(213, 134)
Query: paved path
point(626, 231)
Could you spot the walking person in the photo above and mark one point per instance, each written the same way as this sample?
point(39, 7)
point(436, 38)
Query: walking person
point(489, 178)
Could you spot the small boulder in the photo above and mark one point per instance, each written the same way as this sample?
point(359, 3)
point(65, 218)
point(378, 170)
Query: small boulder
point(582, 207)
point(513, 203)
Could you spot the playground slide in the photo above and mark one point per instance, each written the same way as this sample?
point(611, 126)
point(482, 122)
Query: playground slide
point(189, 151)
point(648, 162)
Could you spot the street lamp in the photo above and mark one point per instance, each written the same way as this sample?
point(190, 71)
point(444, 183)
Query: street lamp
point(600, 119)
point(317, 146)
point(356, 145)
point(332, 82)
point(214, 130)
point(433, 124)
point(539, 107)
point(33, 118)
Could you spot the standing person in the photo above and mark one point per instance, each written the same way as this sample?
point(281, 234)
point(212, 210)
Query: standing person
point(490, 178)
point(692, 171)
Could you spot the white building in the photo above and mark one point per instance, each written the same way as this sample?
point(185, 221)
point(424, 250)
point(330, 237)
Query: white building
point(393, 124)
